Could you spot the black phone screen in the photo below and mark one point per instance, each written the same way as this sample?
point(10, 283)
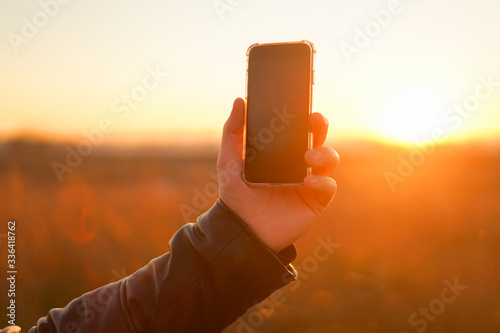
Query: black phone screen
point(279, 90)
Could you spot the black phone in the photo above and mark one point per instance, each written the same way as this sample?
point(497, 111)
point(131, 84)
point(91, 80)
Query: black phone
point(278, 108)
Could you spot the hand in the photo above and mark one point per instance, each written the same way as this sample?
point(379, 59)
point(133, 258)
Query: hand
point(278, 215)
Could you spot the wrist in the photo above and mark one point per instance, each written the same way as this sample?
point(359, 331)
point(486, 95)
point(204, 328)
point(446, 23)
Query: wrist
point(266, 236)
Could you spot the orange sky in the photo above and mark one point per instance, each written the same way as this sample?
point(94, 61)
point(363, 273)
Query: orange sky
point(395, 70)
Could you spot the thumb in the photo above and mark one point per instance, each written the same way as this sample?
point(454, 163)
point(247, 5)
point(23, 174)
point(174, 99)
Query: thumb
point(232, 136)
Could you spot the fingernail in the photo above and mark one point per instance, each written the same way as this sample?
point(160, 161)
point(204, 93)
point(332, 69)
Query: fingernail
point(313, 182)
point(315, 156)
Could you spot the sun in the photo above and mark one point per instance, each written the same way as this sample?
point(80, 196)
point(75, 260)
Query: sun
point(411, 117)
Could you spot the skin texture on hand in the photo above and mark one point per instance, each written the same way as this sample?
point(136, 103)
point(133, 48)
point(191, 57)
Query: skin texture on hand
point(279, 215)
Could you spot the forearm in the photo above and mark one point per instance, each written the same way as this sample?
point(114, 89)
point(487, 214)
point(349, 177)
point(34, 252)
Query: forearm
point(215, 270)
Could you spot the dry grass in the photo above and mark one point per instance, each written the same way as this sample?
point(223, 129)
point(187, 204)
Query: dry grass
point(119, 208)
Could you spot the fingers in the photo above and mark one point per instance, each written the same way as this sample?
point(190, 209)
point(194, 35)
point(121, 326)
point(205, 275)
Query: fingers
point(323, 160)
point(319, 128)
point(232, 135)
point(324, 187)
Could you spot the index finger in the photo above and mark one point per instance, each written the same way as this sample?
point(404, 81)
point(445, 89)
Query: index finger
point(319, 129)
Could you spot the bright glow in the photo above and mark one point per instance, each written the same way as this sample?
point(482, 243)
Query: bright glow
point(66, 77)
point(412, 117)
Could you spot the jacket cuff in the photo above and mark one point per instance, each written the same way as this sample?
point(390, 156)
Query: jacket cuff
point(285, 256)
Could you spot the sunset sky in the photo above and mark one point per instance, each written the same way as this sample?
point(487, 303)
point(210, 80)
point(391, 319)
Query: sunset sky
point(390, 70)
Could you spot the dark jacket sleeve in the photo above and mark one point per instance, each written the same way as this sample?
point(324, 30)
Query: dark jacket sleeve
point(215, 270)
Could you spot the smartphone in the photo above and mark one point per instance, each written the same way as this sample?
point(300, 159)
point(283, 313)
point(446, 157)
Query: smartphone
point(278, 107)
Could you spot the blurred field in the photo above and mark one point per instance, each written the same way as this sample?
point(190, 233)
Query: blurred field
point(118, 209)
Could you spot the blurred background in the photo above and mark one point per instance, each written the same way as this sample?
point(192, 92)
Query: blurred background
point(110, 120)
